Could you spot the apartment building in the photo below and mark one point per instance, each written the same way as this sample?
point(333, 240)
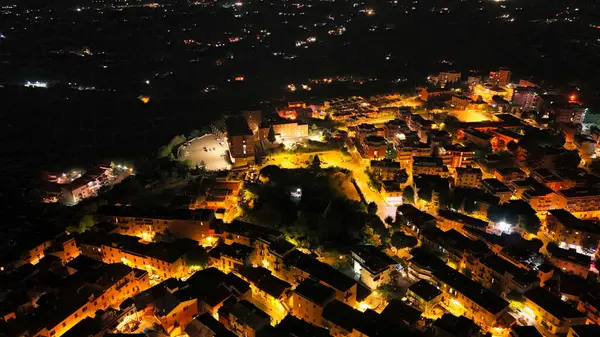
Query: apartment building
point(309, 299)
point(160, 258)
point(429, 166)
point(582, 202)
point(147, 223)
point(572, 232)
point(550, 312)
point(469, 177)
point(372, 266)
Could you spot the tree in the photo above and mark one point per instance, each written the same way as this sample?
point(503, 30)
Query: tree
point(390, 152)
point(372, 208)
point(401, 176)
point(401, 240)
point(195, 133)
point(163, 152)
point(85, 223)
point(389, 220)
point(197, 256)
point(568, 160)
point(313, 128)
point(512, 146)
point(271, 135)
point(316, 162)
point(408, 195)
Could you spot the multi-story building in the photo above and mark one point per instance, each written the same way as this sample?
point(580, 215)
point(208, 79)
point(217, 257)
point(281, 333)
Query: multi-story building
point(146, 224)
point(373, 147)
point(435, 94)
point(391, 192)
point(501, 138)
point(550, 312)
point(268, 291)
point(230, 257)
point(301, 266)
point(459, 102)
point(448, 220)
point(475, 137)
point(445, 77)
point(456, 155)
point(462, 295)
point(365, 130)
point(413, 219)
point(571, 112)
point(407, 151)
point(253, 118)
point(241, 141)
point(90, 289)
point(526, 98)
point(582, 202)
point(243, 318)
point(541, 198)
point(284, 130)
point(497, 188)
point(396, 128)
point(507, 174)
point(467, 177)
point(572, 232)
point(429, 166)
point(500, 77)
point(495, 272)
point(385, 169)
point(418, 123)
point(372, 266)
point(571, 262)
point(588, 330)
point(160, 258)
point(553, 181)
point(309, 299)
point(424, 295)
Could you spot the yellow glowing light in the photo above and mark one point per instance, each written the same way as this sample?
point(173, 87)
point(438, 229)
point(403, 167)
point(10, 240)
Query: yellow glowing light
point(362, 306)
point(144, 99)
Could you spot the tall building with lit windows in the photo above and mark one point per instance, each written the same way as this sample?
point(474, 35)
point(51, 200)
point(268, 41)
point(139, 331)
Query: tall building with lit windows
point(241, 141)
